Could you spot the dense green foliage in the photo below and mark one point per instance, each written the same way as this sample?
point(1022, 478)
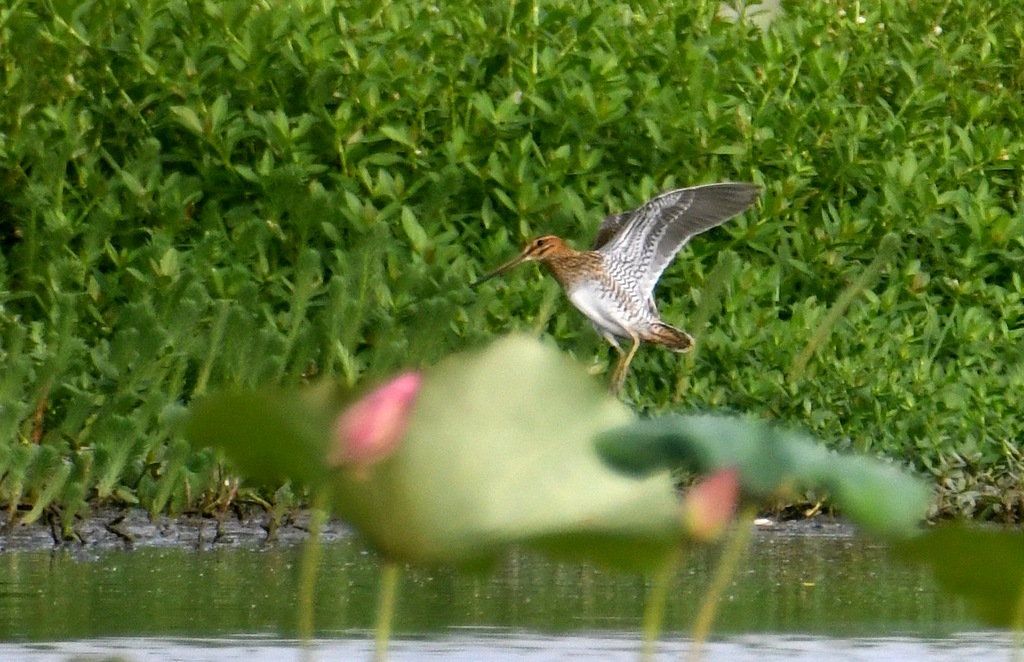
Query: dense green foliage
point(195, 195)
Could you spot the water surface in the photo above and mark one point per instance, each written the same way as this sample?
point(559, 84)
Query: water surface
point(795, 598)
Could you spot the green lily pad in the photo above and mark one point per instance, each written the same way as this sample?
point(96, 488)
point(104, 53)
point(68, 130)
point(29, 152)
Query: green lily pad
point(985, 566)
point(771, 462)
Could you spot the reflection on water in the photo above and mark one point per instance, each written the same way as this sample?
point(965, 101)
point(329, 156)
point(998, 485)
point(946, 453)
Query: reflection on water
point(794, 599)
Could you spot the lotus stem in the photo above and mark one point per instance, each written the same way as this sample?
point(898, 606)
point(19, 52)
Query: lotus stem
point(311, 554)
point(1018, 629)
point(390, 574)
point(654, 610)
point(724, 573)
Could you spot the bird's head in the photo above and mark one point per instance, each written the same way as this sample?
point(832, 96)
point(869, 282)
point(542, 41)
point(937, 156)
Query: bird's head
point(541, 248)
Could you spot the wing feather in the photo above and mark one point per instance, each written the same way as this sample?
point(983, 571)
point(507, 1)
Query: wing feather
point(646, 240)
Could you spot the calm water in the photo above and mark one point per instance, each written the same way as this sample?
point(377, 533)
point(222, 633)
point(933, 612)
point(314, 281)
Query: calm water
point(796, 598)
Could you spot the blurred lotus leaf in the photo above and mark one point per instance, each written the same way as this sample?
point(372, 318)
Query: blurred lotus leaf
point(497, 447)
point(772, 462)
point(498, 450)
point(986, 566)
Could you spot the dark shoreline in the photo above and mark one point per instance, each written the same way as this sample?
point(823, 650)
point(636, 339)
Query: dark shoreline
point(130, 528)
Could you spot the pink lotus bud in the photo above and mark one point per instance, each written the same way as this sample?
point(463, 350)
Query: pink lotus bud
point(709, 506)
point(371, 429)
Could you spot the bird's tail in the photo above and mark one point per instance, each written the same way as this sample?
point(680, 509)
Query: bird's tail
point(670, 337)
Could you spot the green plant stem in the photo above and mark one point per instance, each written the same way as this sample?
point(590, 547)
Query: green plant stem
point(213, 351)
point(546, 310)
point(886, 249)
point(390, 574)
point(654, 610)
point(711, 298)
point(730, 560)
point(310, 562)
point(1018, 629)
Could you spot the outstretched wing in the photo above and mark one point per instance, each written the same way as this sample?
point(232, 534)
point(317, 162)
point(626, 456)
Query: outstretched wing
point(644, 241)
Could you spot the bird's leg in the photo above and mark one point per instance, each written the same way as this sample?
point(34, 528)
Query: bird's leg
point(614, 383)
point(619, 374)
point(618, 350)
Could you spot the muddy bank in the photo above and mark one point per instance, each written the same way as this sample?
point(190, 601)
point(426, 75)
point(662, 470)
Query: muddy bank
point(115, 528)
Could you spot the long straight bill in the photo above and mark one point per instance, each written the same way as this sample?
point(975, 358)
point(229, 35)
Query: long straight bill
point(519, 259)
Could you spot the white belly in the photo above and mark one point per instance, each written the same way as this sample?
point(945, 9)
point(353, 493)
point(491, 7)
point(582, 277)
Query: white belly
point(601, 312)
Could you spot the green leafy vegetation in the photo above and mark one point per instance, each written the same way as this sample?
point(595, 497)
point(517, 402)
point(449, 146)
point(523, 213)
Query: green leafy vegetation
point(243, 194)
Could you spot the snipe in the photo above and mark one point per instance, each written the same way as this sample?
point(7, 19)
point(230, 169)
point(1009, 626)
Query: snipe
point(613, 283)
